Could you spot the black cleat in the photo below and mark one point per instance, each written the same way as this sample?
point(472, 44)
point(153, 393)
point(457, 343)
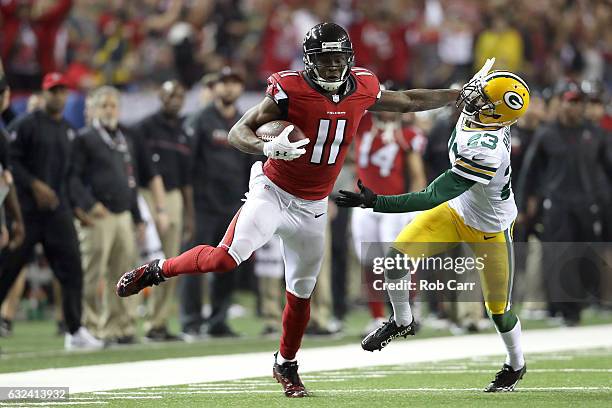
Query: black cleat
point(137, 279)
point(6, 327)
point(222, 330)
point(506, 379)
point(287, 375)
point(381, 337)
point(160, 334)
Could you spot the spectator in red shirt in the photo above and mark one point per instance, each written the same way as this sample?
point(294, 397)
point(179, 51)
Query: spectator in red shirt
point(28, 39)
point(79, 72)
point(381, 45)
point(279, 40)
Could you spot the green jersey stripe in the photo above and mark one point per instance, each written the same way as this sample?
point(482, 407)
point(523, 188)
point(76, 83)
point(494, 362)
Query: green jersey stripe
point(510, 253)
point(473, 173)
point(476, 164)
point(452, 138)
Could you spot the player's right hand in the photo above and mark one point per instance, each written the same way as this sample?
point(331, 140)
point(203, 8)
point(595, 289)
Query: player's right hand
point(365, 198)
point(281, 148)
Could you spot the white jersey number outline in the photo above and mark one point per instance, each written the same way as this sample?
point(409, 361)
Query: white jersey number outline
point(383, 158)
point(323, 135)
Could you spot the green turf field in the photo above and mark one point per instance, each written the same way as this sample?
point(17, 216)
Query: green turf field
point(553, 380)
point(34, 344)
point(563, 379)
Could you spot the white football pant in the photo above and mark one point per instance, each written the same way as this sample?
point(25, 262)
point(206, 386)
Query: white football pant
point(300, 224)
point(371, 229)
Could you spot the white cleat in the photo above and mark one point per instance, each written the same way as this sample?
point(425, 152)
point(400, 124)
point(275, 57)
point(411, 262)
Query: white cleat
point(82, 339)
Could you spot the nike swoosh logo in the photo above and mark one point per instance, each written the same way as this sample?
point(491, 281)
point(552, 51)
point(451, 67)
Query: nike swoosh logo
point(318, 215)
point(486, 238)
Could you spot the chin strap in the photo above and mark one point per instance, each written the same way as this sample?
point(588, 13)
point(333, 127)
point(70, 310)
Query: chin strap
point(328, 85)
point(473, 119)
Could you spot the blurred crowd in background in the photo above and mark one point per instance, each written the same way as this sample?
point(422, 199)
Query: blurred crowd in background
point(415, 43)
point(218, 49)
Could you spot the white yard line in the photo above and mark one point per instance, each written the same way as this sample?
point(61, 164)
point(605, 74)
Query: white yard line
point(128, 395)
point(401, 390)
point(191, 370)
point(45, 403)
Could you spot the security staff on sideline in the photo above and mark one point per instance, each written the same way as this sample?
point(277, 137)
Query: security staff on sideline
point(217, 168)
point(572, 161)
point(13, 232)
point(12, 227)
point(103, 191)
point(170, 146)
point(40, 153)
point(9, 202)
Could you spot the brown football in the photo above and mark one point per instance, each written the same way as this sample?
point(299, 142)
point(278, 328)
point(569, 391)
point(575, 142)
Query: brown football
point(270, 130)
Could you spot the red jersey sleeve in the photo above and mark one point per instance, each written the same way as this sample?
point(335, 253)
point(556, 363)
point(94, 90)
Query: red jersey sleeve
point(368, 84)
point(278, 89)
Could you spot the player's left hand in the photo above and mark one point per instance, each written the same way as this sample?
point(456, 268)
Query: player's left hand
point(365, 198)
point(483, 71)
point(467, 96)
point(280, 148)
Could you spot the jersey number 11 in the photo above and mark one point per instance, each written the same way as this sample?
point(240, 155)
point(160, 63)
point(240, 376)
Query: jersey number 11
point(325, 127)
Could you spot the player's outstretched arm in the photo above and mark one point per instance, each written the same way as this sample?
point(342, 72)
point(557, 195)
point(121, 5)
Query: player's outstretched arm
point(242, 134)
point(446, 187)
point(414, 100)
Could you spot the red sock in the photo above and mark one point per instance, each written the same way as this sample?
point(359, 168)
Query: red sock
point(201, 259)
point(204, 258)
point(377, 309)
point(295, 319)
point(376, 299)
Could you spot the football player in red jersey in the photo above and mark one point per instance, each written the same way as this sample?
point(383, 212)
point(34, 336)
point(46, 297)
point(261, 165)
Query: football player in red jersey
point(386, 151)
point(288, 194)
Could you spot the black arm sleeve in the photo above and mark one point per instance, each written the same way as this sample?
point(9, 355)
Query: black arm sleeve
point(606, 154)
point(20, 148)
point(187, 166)
point(4, 150)
point(80, 196)
point(146, 169)
point(8, 116)
point(531, 170)
point(134, 209)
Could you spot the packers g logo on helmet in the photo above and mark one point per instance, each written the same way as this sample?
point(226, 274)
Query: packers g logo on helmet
point(498, 99)
point(513, 100)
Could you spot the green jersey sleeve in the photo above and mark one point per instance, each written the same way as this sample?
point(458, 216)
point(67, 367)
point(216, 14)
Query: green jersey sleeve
point(446, 187)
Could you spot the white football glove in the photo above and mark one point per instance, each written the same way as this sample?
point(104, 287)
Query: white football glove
point(465, 100)
point(484, 70)
point(281, 148)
